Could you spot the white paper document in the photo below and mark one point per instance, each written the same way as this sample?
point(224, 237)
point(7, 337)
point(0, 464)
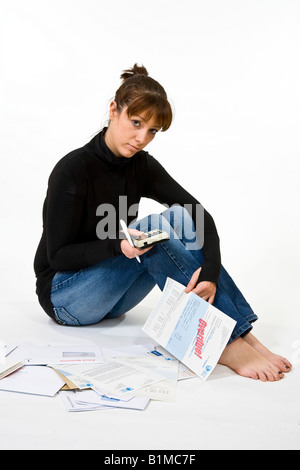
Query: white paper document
point(191, 329)
point(155, 366)
point(68, 398)
point(111, 377)
point(32, 354)
point(89, 400)
point(183, 371)
point(37, 380)
point(132, 350)
point(110, 395)
point(164, 367)
point(92, 397)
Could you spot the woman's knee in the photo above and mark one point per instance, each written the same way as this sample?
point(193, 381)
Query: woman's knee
point(176, 211)
point(172, 218)
point(182, 223)
point(151, 222)
point(178, 218)
point(178, 224)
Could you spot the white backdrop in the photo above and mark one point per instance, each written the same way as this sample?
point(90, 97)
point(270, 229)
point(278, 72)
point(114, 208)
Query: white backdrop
point(232, 72)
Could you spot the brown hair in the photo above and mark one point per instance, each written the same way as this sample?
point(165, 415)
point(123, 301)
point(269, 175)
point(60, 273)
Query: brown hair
point(141, 93)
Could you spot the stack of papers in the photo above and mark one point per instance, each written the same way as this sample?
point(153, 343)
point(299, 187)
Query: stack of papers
point(188, 336)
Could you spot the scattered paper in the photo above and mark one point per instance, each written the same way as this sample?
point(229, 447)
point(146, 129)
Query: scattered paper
point(187, 335)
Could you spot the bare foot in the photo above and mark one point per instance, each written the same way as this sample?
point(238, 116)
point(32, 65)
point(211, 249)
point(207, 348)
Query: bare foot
point(280, 362)
point(246, 361)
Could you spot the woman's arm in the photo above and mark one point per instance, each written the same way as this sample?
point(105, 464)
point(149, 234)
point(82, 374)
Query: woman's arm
point(63, 214)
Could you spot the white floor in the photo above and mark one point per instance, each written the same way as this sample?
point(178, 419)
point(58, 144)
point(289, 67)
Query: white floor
point(226, 412)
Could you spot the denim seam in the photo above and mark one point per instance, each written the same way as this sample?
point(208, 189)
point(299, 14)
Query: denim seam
point(57, 318)
point(251, 318)
point(74, 321)
point(246, 327)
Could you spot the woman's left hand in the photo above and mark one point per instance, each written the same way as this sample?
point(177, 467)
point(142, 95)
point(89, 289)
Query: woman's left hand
point(205, 289)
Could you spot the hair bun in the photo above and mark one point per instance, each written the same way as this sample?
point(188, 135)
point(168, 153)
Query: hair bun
point(135, 70)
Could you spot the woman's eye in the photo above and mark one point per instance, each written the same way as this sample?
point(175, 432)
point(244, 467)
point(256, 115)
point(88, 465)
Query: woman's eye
point(135, 123)
point(153, 131)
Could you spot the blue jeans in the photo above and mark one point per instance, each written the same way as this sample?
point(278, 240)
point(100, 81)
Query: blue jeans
point(116, 285)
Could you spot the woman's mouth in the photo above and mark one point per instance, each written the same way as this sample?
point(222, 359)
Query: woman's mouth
point(134, 148)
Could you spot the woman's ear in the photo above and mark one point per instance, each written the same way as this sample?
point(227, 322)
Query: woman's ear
point(112, 110)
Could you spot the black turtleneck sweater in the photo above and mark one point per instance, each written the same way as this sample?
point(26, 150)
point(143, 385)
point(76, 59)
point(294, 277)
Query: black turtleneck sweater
point(82, 181)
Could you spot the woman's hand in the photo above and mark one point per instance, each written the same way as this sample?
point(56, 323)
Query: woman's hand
point(205, 289)
point(130, 251)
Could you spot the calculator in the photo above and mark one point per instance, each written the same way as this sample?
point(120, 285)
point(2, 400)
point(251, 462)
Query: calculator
point(154, 237)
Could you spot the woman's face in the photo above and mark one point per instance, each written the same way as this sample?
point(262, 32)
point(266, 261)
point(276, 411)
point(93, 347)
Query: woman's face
point(125, 135)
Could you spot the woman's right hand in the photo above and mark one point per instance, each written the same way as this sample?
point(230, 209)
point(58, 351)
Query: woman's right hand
point(130, 251)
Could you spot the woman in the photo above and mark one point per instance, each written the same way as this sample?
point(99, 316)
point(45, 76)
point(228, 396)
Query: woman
point(86, 269)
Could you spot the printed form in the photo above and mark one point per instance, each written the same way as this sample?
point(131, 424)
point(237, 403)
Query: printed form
point(112, 377)
point(189, 328)
point(32, 354)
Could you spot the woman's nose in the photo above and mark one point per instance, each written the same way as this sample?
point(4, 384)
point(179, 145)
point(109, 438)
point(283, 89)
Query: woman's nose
point(141, 137)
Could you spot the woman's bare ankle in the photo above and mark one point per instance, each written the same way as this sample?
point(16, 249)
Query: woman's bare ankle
point(247, 362)
point(281, 362)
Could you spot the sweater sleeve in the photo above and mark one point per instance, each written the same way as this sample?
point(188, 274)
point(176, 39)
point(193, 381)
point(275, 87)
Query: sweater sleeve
point(161, 187)
point(62, 217)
